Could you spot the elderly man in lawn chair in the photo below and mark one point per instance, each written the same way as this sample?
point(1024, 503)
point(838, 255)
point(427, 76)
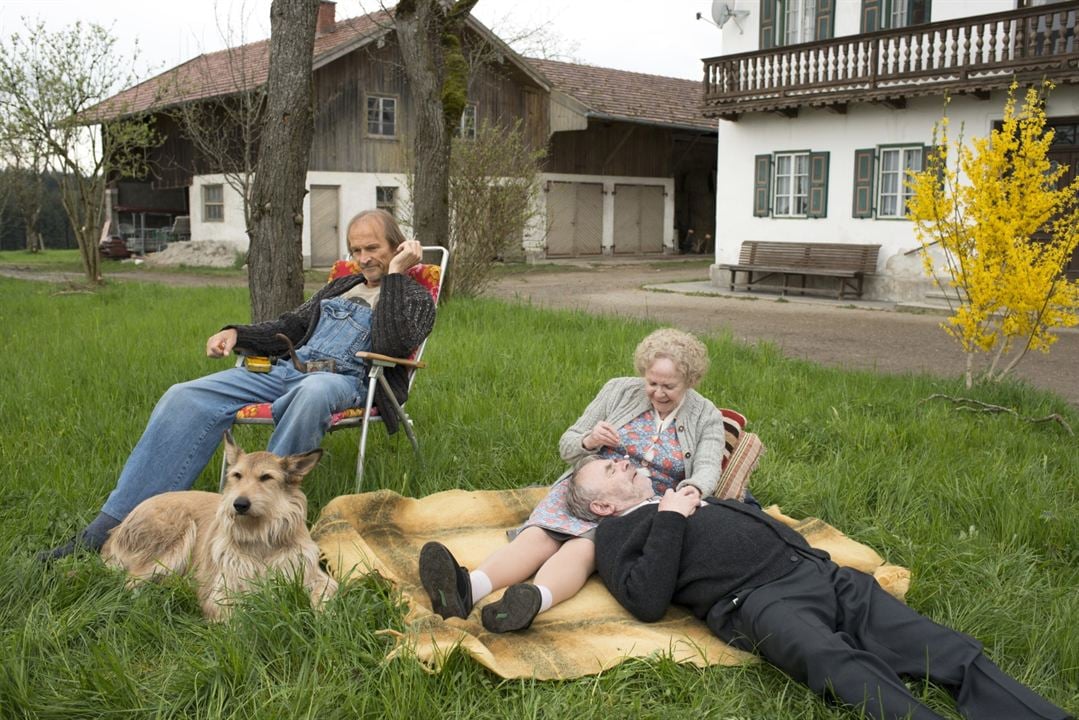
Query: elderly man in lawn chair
point(760, 587)
point(380, 309)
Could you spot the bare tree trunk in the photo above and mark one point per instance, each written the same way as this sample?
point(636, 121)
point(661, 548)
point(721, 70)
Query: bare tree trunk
point(275, 260)
point(429, 35)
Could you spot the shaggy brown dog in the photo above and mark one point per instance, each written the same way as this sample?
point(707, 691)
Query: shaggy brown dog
point(226, 541)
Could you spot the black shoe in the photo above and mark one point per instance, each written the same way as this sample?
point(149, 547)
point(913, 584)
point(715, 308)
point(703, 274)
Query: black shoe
point(516, 609)
point(447, 583)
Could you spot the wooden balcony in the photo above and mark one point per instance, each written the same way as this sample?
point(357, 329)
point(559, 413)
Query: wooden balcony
point(972, 55)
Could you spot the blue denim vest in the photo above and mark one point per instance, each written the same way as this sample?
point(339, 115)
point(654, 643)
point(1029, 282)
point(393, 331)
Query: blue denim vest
point(344, 328)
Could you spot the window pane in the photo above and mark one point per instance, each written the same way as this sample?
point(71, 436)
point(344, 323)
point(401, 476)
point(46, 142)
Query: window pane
point(783, 186)
point(889, 160)
point(887, 206)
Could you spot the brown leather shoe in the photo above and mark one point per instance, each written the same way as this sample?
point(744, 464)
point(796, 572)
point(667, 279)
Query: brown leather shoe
point(515, 610)
point(447, 583)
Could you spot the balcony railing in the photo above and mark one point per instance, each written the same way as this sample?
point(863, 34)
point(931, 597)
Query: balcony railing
point(974, 54)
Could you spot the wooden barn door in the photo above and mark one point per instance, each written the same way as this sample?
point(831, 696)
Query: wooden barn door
point(574, 219)
point(325, 233)
point(638, 219)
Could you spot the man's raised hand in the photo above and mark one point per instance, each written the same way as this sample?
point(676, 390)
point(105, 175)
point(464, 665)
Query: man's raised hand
point(220, 344)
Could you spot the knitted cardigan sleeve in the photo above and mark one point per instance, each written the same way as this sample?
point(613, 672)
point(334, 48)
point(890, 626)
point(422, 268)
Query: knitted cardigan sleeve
point(403, 317)
point(638, 555)
point(606, 402)
point(705, 465)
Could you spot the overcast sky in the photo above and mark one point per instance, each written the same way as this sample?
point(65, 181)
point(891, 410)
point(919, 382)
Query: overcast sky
point(650, 36)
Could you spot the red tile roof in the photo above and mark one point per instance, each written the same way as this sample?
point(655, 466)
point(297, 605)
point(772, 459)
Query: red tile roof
point(629, 95)
point(228, 71)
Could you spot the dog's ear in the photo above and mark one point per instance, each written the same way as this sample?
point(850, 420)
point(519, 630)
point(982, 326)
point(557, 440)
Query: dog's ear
point(232, 451)
point(297, 466)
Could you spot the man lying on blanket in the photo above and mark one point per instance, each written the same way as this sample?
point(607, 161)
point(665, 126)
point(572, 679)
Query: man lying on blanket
point(760, 587)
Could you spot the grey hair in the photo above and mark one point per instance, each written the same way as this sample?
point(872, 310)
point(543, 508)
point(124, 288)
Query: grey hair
point(688, 354)
point(390, 229)
point(578, 498)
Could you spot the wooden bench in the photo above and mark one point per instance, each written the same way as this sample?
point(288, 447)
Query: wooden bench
point(763, 260)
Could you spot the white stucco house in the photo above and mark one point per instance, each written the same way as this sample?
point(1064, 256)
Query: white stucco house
point(822, 104)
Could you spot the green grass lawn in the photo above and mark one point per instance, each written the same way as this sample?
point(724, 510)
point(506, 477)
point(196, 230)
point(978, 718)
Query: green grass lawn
point(982, 508)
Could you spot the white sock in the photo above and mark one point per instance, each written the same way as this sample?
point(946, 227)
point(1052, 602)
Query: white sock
point(481, 585)
point(546, 599)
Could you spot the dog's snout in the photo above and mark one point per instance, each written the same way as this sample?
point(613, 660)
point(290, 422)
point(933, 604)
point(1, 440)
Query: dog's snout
point(241, 505)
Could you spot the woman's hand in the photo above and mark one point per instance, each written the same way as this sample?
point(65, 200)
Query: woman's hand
point(693, 489)
point(603, 434)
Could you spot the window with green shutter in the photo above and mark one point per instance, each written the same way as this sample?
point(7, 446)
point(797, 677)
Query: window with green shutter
point(769, 9)
point(818, 185)
point(762, 185)
point(825, 19)
point(864, 164)
point(890, 14)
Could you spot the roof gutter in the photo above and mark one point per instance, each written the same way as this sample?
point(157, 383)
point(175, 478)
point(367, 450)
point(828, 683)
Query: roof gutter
point(591, 114)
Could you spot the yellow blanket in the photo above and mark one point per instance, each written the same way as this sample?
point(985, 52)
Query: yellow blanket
point(383, 531)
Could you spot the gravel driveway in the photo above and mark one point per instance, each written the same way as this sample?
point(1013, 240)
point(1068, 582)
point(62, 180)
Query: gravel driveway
point(870, 335)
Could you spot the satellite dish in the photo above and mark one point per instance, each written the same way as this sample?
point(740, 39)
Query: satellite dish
point(722, 12)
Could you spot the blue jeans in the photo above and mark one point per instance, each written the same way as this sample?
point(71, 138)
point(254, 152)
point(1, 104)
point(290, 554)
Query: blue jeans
point(190, 418)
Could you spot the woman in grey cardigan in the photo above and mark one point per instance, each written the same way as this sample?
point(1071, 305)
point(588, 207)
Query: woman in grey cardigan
point(657, 423)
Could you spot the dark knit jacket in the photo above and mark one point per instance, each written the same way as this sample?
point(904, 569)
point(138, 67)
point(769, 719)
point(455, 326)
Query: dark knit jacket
point(650, 559)
point(403, 316)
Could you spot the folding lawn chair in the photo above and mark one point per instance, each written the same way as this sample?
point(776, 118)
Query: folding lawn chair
point(431, 277)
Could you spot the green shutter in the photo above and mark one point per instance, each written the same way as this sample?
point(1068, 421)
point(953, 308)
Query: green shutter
point(929, 151)
point(762, 185)
point(919, 12)
point(864, 161)
point(769, 12)
point(871, 15)
point(818, 185)
point(825, 19)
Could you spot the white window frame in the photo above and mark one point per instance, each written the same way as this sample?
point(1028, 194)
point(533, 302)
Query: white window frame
point(377, 126)
point(790, 184)
point(381, 202)
point(213, 208)
point(467, 128)
point(893, 195)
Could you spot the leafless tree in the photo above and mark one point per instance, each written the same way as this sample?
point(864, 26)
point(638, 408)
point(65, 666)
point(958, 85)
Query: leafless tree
point(51, 84)
point(275, 258)
point(225, 130)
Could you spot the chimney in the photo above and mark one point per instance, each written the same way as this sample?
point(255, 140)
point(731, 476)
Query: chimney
point(326, 23)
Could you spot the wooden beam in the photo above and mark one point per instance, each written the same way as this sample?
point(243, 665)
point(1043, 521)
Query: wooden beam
point(787, 112)
point(893, 103)
point(837, 108)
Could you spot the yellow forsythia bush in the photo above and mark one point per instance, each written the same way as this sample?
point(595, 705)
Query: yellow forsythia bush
point(1007, 289)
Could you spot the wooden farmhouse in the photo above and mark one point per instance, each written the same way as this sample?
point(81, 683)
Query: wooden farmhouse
point(629, 169)
point(821, 105)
